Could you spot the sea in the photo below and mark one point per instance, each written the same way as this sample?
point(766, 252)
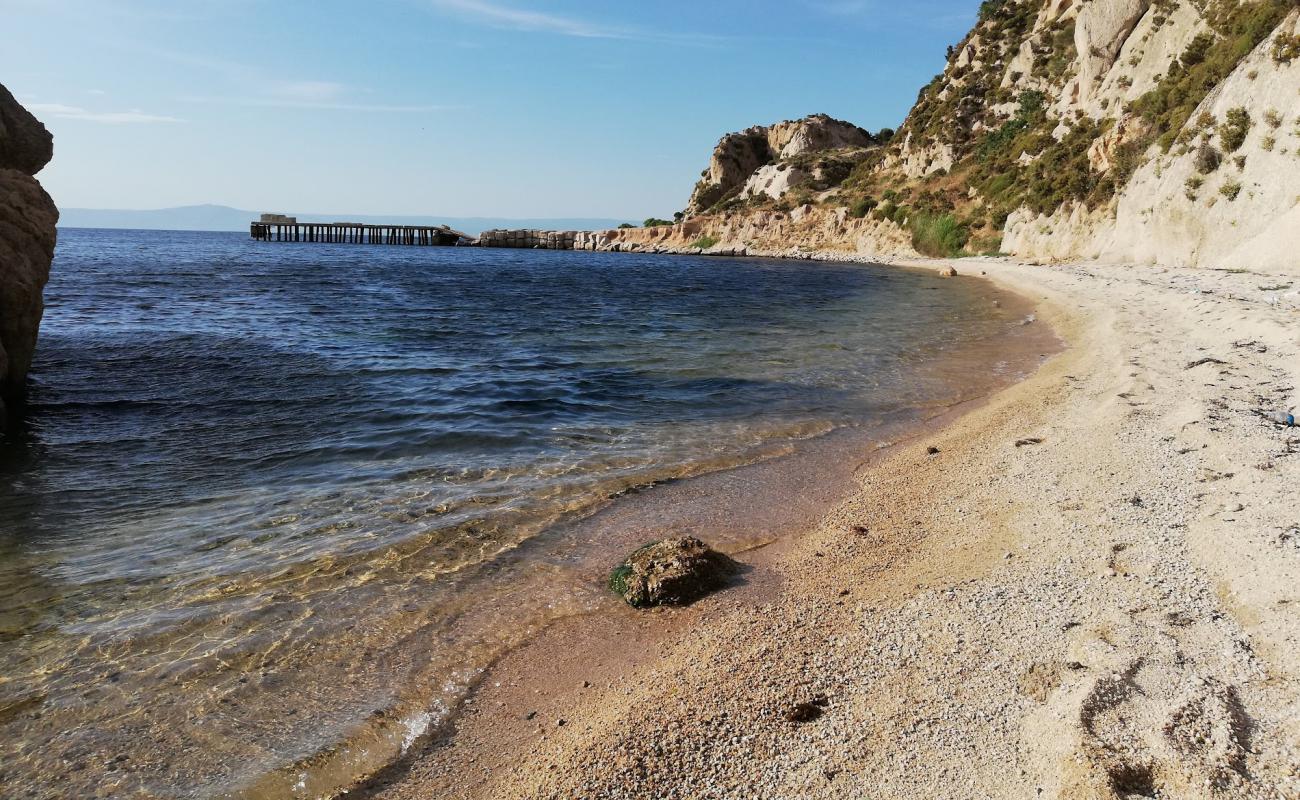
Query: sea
point(271, 510)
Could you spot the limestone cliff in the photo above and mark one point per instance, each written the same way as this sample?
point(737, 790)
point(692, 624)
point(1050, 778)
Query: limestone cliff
point(1144, 131)
point(774, 160)
point(27, 234)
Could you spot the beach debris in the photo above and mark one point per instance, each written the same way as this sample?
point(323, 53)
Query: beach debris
point(1284, 418)
point(948, 272)
point(671, 572)
point(808, 710)
point(862, 530)
point(934, 451)
point(1028, 442)
point(1203, 361)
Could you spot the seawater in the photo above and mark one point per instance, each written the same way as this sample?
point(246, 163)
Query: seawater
point(272, 508)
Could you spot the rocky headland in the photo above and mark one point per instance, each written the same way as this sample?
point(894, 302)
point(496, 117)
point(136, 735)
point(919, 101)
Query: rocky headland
point(27, 234)
point(1132, 131)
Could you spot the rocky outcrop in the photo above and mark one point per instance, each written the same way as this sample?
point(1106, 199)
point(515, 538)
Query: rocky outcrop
point(1134, 131)
point(739, 156)
point(802, 232)
point(27, 234)
point(671, 572)
point(25, 144)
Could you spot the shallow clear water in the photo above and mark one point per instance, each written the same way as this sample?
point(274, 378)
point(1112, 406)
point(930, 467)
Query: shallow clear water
point(274, 506)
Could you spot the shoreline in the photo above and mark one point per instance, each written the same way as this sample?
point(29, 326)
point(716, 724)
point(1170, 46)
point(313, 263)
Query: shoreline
point(738, 509)
point(720, 674)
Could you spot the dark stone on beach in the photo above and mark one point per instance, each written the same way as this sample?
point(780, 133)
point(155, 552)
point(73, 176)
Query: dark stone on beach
point(934, 451)
point(671, 572)
point(807, 711)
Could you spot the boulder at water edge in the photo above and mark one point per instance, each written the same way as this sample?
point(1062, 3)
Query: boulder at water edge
point(27, 233)
point(671, 572)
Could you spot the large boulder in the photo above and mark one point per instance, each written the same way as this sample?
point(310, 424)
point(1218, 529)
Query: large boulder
point(27, 234)
point(25, 144)
point(671, 572)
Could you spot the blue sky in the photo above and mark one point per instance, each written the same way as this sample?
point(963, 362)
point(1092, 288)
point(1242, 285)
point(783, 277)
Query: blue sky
point(455, 107)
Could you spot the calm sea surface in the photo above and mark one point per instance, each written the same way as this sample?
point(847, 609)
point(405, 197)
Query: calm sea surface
point(274, 507)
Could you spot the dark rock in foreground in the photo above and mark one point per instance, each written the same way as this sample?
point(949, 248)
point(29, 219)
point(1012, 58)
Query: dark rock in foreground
point(25, 144)
point(671, 572)
point(27, 234)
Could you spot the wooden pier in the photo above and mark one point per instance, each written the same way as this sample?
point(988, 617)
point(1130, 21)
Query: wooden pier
point(357, 233)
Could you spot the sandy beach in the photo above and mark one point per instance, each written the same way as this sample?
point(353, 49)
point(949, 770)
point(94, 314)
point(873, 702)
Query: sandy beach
point(1085, 588)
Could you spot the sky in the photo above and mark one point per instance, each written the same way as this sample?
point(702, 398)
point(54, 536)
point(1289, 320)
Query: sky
point(505, 108)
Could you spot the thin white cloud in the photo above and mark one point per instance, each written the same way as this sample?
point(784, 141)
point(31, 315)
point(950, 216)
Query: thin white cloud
point(525, 20)
point(498, 15)
point(319, 105)
point(62, 111)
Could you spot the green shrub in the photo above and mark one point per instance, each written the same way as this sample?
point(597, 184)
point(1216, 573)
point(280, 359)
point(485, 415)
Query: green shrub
point(654, 222)
point(1286, 48)
point(1230, 190)
point(941, 236)
point(705, 242)
point(1207, 159)
point(1196, 50)
point(1192, 186)
point(862, 207)
point(1234, 129)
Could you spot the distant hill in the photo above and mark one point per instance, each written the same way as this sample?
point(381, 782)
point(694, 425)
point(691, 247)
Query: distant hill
point(225, 218)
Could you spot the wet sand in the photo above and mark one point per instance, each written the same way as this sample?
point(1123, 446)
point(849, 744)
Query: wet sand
point(1088, 592)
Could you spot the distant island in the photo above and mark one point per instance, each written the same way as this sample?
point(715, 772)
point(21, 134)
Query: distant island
point(209, 217)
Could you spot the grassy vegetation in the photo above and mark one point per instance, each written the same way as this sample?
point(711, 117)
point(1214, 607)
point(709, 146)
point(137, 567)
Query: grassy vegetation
point(861, 207)
point(654, 222)
point(941, 236)
point(705, 242)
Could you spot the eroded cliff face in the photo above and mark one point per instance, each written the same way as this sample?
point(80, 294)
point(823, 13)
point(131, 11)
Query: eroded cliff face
point(27, 235)
point(1144, 131)
point(773, 160)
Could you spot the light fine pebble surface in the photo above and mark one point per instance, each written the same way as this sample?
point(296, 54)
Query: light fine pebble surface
point(1090, 591)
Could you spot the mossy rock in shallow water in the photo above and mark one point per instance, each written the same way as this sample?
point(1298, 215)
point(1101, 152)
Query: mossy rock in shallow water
point(671, 572)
